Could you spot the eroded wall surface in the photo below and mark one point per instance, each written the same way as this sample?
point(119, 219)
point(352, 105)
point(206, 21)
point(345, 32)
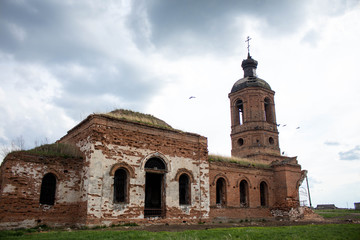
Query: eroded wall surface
point(22, 176)
point(120, 144)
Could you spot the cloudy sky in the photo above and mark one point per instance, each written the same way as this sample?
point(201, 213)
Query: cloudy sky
point(63, 60)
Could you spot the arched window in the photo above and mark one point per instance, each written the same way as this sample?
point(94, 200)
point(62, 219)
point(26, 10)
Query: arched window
point(240, 109)
point(48, 188)
point(155, 164)
point(244, 194)
point(184, 189)
point(120, 186)
point(221, 191)
point(268, 111)
point(263, 194)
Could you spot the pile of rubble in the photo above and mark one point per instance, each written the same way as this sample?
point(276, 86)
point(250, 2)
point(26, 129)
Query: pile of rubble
point(296, 214)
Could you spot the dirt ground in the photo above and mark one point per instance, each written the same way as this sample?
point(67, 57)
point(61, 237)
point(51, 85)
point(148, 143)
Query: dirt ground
point(309, 217)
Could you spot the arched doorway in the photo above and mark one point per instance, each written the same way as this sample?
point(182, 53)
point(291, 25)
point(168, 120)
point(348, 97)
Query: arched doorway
point(155, 169)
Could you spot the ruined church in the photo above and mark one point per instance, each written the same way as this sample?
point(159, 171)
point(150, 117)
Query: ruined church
point(124, 166)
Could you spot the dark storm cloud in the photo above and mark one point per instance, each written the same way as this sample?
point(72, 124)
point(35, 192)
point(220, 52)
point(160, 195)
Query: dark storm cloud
point(50, 33)
point(205, 25)
point(352, 154)
point(86, 94)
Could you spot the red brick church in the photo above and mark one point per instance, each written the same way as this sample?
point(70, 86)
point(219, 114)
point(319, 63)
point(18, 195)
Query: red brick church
point(125, 166)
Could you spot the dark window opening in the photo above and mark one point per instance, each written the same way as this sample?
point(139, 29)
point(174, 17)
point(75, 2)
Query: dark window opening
point(154, 194)
point(155, 163)
point(184, 190)
point(120, 186)
point(271, 141)
point(241, 141)
point(240, 108)
point(244, 194)
point(220, 191)
point(268, 111)
point(263, 194)
point(48, 188)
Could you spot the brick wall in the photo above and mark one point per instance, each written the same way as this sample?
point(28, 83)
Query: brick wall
point(112, 143)
point(22, 175)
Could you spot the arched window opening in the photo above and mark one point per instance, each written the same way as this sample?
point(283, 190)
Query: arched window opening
point(268, 110)
point(184, 190)
point(48, 188)
point(220, 191)
point(120, 186)
point(244, 194)
point(240, 109)
point(263, 194)
point(155, 164)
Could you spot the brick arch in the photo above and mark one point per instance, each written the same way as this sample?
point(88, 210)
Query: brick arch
point(243, 178)
point(156, 155)
point(233, 103)
point(59, 176)
point(221, 175)
point(187, 172)
point(124, 165)
point(263, 180)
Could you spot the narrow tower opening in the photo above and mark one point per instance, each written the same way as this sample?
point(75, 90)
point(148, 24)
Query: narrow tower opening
point(268, 111)
point(240, 108)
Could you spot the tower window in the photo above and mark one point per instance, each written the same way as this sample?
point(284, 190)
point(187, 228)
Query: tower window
point(271, 141)
point(48, 189)
point(220, 191)
point(120, 186)
point(240, 108)
point(268, 111)
point(184, 190)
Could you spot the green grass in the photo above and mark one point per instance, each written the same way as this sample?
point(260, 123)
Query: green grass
point(138, 117)
point(238, 161)
point(338, 213)
point(57, 150)
point(331, 231)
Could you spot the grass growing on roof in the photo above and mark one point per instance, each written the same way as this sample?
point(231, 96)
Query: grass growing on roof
point(57, 150)
point(239, 161)
point(138, 117)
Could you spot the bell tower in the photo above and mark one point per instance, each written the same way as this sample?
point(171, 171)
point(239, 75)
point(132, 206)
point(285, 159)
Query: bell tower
point(254, 131)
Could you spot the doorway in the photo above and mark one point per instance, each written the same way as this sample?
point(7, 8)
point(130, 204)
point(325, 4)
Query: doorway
point(154, 188)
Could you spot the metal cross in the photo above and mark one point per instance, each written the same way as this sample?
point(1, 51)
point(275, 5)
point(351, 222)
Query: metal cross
point(248, 44)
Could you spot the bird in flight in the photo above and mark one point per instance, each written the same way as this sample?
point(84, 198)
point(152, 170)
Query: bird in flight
point(192, 97)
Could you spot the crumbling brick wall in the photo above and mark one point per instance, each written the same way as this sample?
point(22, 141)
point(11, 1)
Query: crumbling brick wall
point(22, 175)
point(113, 143)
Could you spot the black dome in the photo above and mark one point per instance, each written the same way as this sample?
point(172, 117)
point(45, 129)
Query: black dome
point(249, 82)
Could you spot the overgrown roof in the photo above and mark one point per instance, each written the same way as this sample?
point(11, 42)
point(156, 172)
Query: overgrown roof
point(137, 117)
point(57, 150)
point(238, 161)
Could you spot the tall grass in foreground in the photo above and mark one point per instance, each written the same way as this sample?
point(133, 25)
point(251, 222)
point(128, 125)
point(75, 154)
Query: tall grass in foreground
point(331, 231)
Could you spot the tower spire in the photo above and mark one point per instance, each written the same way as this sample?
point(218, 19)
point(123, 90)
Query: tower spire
point(248, 45)
point(249, 65)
